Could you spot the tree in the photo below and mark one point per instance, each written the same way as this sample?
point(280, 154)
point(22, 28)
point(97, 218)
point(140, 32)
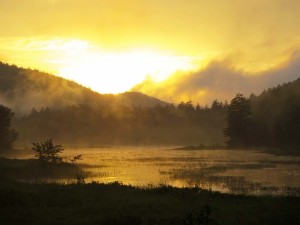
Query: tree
point(186, 106)
point(287, 129)
point(239, 122)
point(216, 105)
point(7, 135)
point(46, 151)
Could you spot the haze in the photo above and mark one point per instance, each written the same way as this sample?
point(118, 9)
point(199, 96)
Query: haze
point(174, 50)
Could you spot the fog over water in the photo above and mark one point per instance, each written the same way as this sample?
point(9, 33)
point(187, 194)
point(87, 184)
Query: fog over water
point(230, 171)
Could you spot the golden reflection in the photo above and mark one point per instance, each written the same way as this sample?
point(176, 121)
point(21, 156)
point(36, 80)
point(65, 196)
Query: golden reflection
point(219, 170)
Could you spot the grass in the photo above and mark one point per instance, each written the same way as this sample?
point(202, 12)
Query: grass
point(273, 151)
point(35, 170)
point(202, 147)
point(282, 152)
point(210, 176)
point(116, 204)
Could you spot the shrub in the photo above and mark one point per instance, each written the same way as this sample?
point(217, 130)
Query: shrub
point(46, 151)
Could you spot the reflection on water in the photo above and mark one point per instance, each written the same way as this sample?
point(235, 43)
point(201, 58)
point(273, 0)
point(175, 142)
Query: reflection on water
point(234, 171)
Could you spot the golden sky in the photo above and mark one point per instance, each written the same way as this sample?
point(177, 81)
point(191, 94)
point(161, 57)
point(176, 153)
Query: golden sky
point(113, 45)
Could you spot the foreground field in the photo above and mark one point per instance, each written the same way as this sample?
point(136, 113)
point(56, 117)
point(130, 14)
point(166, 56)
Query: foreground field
point(109, 204)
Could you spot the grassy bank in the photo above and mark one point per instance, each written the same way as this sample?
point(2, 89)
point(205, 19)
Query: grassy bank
point(33, 170)
point(24, 203)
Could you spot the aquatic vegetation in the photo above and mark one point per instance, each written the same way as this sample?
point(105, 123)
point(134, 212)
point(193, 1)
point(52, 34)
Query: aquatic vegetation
point(228, 171)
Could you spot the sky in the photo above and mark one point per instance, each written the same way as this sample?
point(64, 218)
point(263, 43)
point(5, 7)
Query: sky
point(171, 49)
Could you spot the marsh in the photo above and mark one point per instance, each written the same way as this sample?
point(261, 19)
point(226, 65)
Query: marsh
point(227, 171)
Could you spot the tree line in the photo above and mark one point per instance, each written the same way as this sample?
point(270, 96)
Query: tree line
point(268, 120)
point(119, 124)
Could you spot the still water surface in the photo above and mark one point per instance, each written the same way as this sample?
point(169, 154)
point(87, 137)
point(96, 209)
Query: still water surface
point(232, 171)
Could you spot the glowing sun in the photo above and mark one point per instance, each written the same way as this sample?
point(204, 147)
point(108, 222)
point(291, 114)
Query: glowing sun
point(118, 72)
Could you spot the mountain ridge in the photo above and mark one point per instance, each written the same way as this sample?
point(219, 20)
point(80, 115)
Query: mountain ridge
point(24, 89)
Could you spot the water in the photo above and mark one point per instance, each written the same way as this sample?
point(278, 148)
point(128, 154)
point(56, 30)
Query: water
point(231, 171)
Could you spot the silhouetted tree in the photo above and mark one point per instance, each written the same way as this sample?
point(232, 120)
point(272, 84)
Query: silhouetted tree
point(198, 108)
point(7, 135)
point(186, 106)
point(46, 151)
point(239, 122)
point(216, 105)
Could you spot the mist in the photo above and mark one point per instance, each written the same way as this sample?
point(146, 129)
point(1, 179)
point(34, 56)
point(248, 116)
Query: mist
point(220, 80)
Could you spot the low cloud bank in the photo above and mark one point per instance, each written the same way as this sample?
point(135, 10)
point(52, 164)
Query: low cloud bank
point(220, 80)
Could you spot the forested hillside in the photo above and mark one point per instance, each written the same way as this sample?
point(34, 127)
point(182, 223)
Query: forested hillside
point(268, 120)
point(276, 116)
point(24, 89)
point(122, 125)
point(46, 107)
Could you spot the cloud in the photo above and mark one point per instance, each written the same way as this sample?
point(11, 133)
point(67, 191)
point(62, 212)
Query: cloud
point(190, 26)
point(255, 34)
point(220, 80)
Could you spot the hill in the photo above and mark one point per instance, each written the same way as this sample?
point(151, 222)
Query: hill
point(270, 120)
point(48, 106)
point(75, 115)
point(23, 89)
point(276, 116)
